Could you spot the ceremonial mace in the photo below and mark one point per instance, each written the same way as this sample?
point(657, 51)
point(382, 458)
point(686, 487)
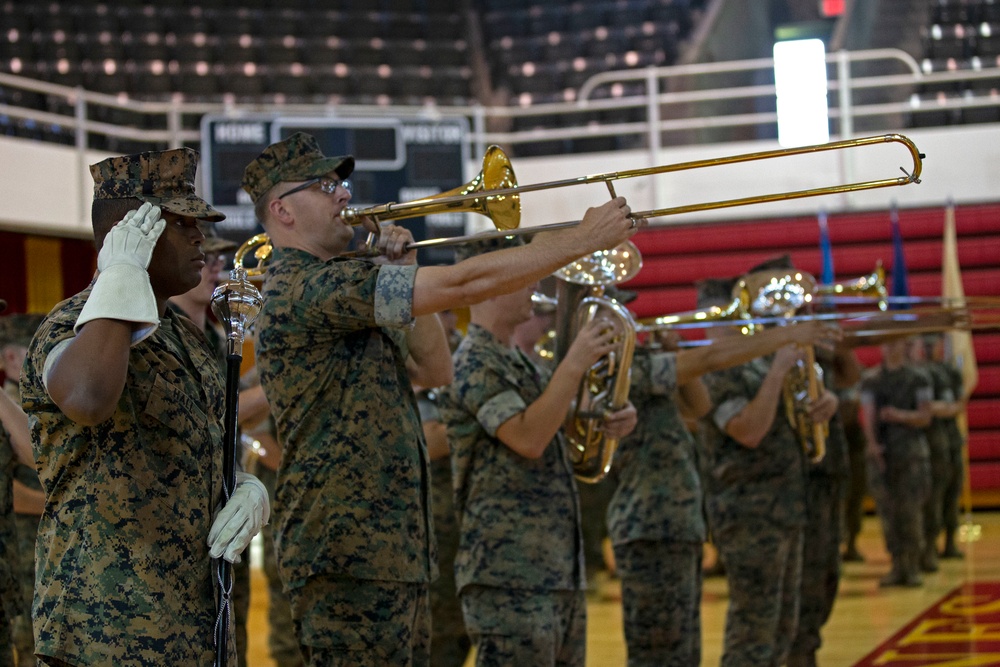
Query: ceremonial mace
point(236, 303)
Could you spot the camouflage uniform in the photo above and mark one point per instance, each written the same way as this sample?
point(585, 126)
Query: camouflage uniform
point(656, 522)
point(15, 336)
point(216, 341)
point(281, 629)
point(10, 593)
point(857, 487)
point(821, 538)
point(450, 642)
point(351, 505)
point(901, 490)
point(27, 529)
point(123, 574)
point(945, 442)
point(519, 568)
point(757, 510)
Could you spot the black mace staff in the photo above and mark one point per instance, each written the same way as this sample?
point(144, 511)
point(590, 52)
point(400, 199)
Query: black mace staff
point(236, 303)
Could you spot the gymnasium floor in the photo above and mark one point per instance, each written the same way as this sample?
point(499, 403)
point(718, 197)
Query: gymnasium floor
point(932, 625)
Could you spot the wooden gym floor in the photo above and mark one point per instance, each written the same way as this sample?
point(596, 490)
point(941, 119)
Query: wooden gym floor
point(865, 616)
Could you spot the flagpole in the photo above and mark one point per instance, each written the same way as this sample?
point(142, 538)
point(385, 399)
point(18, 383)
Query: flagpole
point(962, 354)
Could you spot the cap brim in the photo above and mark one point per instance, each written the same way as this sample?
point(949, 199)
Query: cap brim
point(342, 166)
point(216, 244)
point(191, 207)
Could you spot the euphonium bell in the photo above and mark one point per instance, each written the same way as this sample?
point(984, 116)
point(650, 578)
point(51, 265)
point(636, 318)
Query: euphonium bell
point(605, 386)
point(784, 293)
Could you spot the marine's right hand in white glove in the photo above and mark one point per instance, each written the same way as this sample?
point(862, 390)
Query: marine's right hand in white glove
point(122, 290)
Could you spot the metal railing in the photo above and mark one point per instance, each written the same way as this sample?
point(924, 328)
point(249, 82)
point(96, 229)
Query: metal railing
point(652, 101)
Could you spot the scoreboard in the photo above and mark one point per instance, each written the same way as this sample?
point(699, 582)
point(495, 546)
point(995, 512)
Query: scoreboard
point(396, 160)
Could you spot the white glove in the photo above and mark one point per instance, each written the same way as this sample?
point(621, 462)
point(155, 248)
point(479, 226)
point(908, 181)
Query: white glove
point(242, 517)
point(122, 290)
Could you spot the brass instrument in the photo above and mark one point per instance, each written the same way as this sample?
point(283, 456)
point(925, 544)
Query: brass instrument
point(495, 193)
point(736, 311)
point(864, 289)
point(604, 387)
point(783, 293)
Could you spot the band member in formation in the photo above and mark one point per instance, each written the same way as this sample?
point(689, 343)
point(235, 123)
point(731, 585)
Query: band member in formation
point(519, 569)
point(656, 518)
point(15, 449)
point(126, 411)
point(450, 643)
point(195, 305)
point(944, 441)
point(825, 490)
point(15, 336)
point(896, 405)
point(757, 499)
point(340, 343)
point(857, 485)
point(947, 410)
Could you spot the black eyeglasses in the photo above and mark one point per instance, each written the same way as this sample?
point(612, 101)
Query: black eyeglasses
point(327, 185)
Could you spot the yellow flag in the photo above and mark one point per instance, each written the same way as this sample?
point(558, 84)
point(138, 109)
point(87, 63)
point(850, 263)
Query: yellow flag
point(960, 342)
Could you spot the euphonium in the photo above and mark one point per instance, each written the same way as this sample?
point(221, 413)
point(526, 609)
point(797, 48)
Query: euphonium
point(783, 293)
point(605, 386)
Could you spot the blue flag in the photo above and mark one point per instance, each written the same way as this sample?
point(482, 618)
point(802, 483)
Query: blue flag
point(826, 277)
point(900, 281)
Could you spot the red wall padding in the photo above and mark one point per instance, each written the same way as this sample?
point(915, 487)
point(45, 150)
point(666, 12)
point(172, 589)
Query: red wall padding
point(674, 258)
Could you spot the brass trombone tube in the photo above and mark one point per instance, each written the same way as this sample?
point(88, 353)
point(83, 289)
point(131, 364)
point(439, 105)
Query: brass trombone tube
point(908, 177)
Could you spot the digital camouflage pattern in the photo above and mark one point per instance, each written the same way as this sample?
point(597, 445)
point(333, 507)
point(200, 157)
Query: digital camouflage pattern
point(821, 538)
point(362, 623)
point(17, 330)
point(900, 490)
point(947, 467)
point(124, 575)
point(766, 481)
point(164, 178)
point(536, 628)
point(656, 521)
point(24, 560)
point(449, 641)
point(661, 602)
point(352, 492)
point(757, 509)
point(10, 593)
point(297, 158)
point(659, 494)
point(519, 518)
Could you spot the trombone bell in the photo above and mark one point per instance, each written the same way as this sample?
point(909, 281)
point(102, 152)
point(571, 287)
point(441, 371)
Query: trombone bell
point(475, 196)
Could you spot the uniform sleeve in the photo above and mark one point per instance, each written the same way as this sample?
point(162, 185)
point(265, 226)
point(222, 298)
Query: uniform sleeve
point(499, 409)
point(352, 295)
point(729, 395)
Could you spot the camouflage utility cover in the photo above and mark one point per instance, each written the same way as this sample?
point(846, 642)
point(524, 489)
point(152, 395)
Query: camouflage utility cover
point(352, 490)
point(659, 494)
point(297, 158)
point(164, 178)
point(519, 518)
point(18, 328)
point(123, 572)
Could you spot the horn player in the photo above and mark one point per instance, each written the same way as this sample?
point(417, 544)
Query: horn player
point(655, 516)
point(519, 566)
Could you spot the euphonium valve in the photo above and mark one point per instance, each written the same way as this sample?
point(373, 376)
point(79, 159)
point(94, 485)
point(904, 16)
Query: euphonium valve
point(604, 387)
point(783, 293)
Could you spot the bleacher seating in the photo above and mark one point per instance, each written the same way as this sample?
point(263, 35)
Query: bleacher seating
point(962, 35)
point(383, 52)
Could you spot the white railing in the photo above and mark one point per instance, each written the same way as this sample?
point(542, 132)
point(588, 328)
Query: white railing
point(660, 111)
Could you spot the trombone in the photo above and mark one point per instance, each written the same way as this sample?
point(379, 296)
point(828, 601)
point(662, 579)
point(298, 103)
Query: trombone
point(495, 193)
